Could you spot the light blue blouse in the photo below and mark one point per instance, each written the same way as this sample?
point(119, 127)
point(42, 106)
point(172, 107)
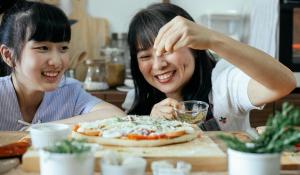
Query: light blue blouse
point(68, 100)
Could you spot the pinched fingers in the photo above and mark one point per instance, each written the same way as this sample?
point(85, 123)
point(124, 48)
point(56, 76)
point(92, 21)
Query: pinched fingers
point(165, 109)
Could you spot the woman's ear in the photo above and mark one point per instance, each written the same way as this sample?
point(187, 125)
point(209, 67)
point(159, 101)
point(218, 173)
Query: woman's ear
point(7, 55)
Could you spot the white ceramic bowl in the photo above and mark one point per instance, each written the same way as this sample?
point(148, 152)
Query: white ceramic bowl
point(130, 166)
point(47, 134)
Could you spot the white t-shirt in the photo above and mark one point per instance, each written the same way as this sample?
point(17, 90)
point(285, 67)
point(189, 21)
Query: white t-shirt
point(228, 98)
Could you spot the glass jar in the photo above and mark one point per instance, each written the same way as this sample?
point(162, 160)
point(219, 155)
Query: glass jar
point(95, 77)
point(115, 67)
point(119, 41)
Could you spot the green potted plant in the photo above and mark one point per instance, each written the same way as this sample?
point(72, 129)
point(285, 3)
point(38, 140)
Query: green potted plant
point(261, 156)
point(67, 157)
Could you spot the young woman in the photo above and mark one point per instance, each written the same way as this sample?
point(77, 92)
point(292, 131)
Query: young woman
point(170, 63)
point(34, 39)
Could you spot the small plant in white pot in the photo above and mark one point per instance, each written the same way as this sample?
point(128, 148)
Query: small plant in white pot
point(67, 157)
point(261, 156)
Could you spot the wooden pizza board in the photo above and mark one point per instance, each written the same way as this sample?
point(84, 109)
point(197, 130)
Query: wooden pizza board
point(206, 153)
point(203, 153)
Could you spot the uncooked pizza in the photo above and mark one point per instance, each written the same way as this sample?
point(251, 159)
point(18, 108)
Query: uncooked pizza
point(139, 131)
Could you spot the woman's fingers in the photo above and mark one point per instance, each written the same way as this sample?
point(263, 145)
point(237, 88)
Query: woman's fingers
point(181, 32)
point(170, 34)
point(169, 102)
point(161, 33)
point(165, 109)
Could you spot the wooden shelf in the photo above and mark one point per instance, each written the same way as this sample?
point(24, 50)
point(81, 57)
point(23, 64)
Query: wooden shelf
point(259, 118)
point(111, 96)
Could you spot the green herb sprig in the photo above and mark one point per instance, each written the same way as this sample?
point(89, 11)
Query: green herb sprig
point(282, 133)
point(72, 146)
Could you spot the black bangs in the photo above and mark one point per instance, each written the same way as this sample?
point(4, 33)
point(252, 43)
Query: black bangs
point(146, 28)
point(49, 24)
point(146, 24)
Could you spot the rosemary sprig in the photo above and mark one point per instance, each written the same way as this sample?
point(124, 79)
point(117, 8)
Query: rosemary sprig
point(69, 147)
point(281, 133)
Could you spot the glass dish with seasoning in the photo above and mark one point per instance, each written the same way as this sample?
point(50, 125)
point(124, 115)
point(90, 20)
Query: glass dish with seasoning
point(192, 111)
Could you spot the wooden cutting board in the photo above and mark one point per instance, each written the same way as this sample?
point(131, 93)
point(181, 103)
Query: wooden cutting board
point(203, 153)
point(206, 153)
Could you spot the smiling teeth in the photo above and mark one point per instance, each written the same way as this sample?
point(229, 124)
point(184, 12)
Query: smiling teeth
point(51, 74)
point(165, 76)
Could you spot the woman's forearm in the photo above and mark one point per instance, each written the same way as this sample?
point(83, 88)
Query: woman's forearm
point(258, 65)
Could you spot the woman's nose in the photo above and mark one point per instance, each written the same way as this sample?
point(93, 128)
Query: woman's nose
point(55, 59)
point(159, 62)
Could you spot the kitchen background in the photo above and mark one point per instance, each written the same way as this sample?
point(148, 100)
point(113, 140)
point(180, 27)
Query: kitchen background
point(99, 54)
point(119, 13)
point(102, 23)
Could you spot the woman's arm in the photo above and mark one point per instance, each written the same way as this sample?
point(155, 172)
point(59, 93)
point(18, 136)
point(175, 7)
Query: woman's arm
point(270, 80)
point(100, 111)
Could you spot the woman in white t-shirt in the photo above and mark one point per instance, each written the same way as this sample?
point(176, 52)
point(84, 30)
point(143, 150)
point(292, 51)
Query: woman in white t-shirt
point(170, 63)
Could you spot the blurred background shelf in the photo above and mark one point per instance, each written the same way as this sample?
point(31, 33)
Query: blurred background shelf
point(111, 96)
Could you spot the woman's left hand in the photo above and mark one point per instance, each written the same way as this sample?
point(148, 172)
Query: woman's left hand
point(181, 32)
point(164, 109)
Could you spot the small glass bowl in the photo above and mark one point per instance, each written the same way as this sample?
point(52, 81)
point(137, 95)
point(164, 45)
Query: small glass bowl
point(191, 111)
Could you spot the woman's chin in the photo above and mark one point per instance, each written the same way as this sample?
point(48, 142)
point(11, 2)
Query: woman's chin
point(167, 90)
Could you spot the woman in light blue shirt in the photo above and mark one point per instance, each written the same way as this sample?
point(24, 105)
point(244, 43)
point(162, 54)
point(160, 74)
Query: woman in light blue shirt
point(34, 40)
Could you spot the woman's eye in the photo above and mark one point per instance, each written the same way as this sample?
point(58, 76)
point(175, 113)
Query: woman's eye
point(65, 48)
point(145, 57)
point(167, 53)
point(42, 48)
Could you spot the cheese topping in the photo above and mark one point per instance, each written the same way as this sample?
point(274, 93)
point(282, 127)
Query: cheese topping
point(140, 125)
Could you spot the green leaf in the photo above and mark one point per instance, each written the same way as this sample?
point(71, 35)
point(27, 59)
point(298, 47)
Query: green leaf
point(72, 146)
point(281, 133)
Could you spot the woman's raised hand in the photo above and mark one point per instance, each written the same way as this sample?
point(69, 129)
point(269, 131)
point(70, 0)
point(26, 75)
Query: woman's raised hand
point(181, 32)
point(165, 109)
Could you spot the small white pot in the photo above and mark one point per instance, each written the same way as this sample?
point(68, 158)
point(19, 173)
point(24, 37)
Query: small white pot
point(47, 134)
point(253, 163)
point(66, 164)
point(130, 166)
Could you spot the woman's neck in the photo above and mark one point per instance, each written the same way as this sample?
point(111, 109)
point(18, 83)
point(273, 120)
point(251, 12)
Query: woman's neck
point(28, 99)
point(176, 96)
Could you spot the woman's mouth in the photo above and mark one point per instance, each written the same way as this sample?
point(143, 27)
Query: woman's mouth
point(165, 77)
point(51, 75)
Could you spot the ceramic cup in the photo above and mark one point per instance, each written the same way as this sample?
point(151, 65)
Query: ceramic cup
point(130, 166)
point(66, 164)
point(46, 134)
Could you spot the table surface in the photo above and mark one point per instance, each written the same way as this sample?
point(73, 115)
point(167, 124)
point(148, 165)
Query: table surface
point(10, 137)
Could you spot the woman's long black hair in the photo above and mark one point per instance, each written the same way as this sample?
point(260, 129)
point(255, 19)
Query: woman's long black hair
point(23, 21)
point(142, 31)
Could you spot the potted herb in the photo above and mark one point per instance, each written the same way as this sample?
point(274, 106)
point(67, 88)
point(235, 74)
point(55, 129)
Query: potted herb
point(67, 157)
point(261, 156)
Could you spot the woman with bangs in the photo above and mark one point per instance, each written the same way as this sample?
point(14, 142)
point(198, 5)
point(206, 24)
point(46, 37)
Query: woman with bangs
point(171, 62)
point(34, 41)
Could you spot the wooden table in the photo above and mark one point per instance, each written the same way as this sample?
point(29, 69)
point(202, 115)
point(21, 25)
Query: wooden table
point(9, 137)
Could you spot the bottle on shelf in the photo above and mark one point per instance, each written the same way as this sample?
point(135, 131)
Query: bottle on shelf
point(95, 77)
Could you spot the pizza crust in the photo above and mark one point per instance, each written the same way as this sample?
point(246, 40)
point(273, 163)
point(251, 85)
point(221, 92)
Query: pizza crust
point(135, 143)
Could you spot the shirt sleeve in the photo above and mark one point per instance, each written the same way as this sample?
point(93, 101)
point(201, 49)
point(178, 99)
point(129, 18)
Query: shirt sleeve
point(85, 101)
point(229, 90)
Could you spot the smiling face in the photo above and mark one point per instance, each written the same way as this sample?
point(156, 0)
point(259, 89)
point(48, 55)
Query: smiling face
point(169, 72)
point(42, 65)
